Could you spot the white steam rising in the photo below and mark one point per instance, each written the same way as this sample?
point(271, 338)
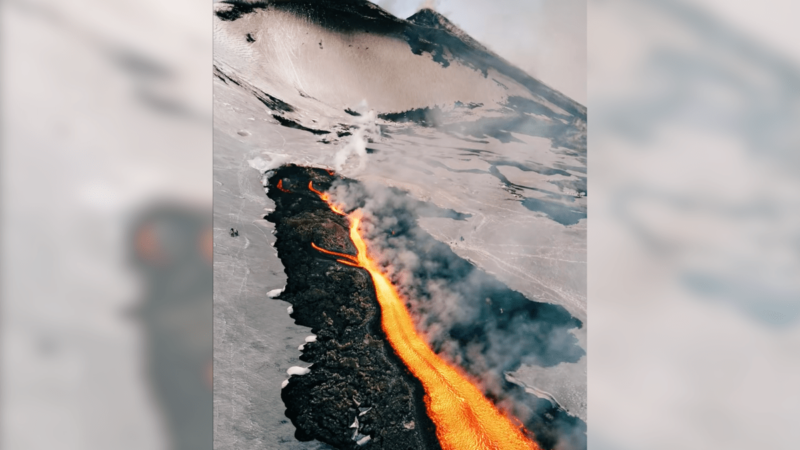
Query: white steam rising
point(352, 158)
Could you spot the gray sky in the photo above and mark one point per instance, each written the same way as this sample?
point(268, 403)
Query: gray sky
point(546, 38)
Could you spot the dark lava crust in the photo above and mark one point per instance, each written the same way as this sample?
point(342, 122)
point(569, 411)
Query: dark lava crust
point(354, 367)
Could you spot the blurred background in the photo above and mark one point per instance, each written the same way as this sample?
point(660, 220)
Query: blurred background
point(694, 224)
point(694, 218)
point(106, 224)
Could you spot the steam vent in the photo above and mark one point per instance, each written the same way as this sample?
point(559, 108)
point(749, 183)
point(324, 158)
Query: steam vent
point(374, 382)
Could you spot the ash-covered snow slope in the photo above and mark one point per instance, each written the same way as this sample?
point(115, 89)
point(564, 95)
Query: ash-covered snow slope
point(320, 58)
point(416, 104)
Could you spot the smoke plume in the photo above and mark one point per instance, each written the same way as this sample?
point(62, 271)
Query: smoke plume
point(466, 315)
point(352, 158)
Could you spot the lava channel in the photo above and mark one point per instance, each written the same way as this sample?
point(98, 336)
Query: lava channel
point(464, 418)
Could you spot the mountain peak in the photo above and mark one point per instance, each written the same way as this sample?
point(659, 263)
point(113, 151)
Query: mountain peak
point(427, 17)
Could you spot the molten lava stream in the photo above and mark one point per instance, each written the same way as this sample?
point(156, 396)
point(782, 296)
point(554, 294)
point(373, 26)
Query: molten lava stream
point(326, 199)
point(464, 418)
point(281, 188)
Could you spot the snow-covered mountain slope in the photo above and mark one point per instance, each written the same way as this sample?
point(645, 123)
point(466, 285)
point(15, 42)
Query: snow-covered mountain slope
point(323, 57)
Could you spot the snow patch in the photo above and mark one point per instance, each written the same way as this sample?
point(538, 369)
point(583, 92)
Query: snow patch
point(364, 440)
point(264, 165)
point(312, 338)
point(363, 411)
point(297, 370)
point(284, 383)
point(260, 164)
point(302, 346)
point(275, 292)
point(290, 310)
point(355, 423)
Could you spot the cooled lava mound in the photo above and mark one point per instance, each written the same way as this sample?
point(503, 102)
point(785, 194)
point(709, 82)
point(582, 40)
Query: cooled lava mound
point(357, 390)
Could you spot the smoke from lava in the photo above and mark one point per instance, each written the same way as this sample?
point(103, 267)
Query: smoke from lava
point(466, 315)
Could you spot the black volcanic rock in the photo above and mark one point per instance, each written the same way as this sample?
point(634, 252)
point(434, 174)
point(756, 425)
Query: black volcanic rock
point(427, 17)
point(237, 9)
point(274, 104)
point(355, 373)
point(346, 16)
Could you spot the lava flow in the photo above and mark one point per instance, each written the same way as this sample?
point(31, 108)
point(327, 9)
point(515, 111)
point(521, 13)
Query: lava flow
point(281, 188)
point(464, 418)
point(326, 198)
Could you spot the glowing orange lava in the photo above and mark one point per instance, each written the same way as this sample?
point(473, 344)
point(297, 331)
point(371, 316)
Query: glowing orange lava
point(280, 187)
point(464, 418)
point(326, 198)
point(350, 260)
